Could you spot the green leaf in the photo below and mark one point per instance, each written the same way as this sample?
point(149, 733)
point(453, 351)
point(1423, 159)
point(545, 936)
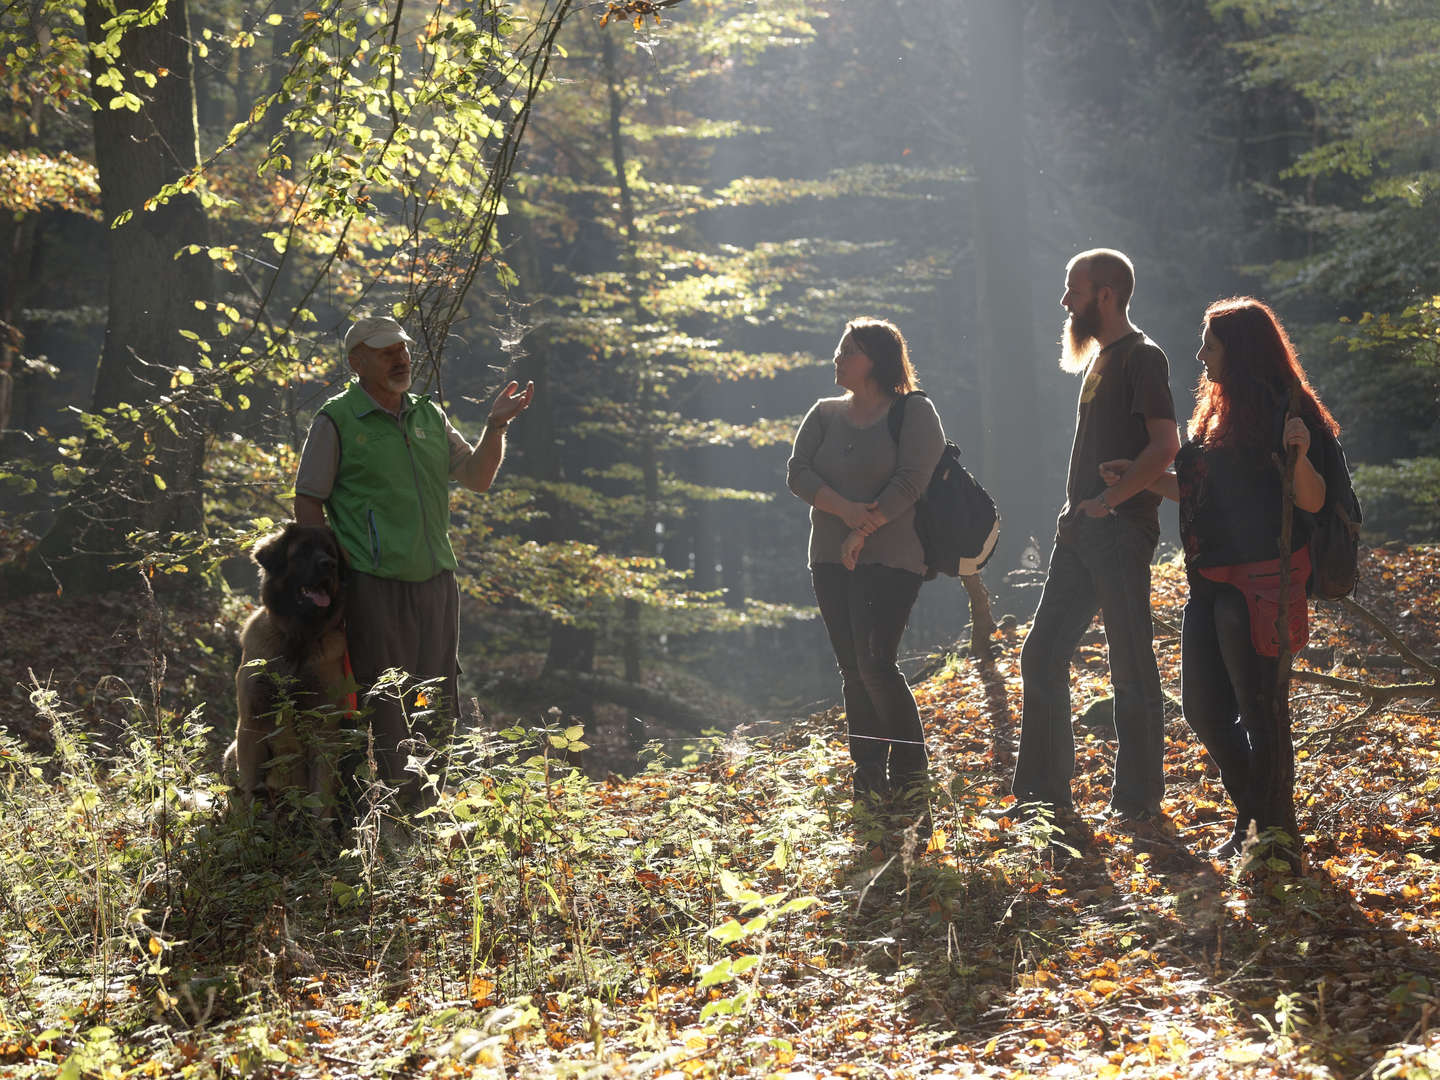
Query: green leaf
point(728, 932)
point(743, 964)
point(716, 973)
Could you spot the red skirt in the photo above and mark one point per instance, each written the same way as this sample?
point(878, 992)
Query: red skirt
point(1259, 583)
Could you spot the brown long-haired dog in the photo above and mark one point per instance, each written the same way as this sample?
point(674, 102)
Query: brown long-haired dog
point(290, 706)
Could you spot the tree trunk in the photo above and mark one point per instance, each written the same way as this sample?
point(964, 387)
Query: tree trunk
point(631, 633)
point(151, 297)
point(572, 652)
point(571, 646)
point(1004, 305)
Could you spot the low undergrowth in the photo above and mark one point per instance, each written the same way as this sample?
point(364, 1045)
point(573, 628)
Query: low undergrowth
point(718, 915)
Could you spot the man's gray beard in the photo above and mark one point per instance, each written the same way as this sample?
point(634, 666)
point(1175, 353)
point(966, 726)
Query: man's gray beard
point(1077, 349)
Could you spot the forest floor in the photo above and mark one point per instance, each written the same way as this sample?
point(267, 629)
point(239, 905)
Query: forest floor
point(716, 914)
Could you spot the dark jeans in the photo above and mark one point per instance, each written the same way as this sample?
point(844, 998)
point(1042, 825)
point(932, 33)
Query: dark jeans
point(1104, 565)
point(1228, 693)
point(865, 611)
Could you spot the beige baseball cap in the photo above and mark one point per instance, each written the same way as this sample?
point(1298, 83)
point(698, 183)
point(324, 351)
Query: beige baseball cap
point(377, 331)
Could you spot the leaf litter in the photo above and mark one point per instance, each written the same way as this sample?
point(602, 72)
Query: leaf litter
point(720, 915)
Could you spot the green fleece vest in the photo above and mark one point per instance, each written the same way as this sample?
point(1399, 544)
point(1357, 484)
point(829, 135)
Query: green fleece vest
point(390, 506)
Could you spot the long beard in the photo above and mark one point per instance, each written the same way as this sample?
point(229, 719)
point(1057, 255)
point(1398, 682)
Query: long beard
point(1078, 346)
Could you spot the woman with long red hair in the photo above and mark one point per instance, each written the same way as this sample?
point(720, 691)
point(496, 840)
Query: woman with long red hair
point(1253, 403)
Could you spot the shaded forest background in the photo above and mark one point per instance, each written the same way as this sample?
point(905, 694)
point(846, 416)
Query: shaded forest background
point(664, 218)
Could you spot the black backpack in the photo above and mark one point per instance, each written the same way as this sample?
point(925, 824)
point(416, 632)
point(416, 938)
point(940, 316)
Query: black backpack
point(955, 519)
point(1335, 534)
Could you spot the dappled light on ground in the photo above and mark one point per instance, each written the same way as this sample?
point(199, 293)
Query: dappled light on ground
point(721, 917)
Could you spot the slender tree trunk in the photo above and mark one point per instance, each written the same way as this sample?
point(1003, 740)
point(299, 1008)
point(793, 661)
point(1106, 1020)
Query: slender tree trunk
point(705, 524)
point(571, 647)
point(19, 235)
point(644, 403)
point(155, 484)
point(1004, 303)
point(732, 564)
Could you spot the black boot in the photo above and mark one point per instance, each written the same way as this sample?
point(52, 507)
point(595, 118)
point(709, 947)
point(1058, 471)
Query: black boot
point(1236, 843)
point(910, 808)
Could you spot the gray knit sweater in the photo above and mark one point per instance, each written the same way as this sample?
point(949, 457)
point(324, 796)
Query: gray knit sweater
point(864, 464)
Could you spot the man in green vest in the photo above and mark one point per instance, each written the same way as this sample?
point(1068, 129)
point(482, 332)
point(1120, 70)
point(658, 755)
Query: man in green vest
point(377, 464)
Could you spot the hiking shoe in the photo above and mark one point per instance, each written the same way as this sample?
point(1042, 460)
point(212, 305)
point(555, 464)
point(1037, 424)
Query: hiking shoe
point(1229, 849)
point(1240, 835)
point(1073, 837)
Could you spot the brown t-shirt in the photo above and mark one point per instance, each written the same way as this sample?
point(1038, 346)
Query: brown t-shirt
point(1124, 386)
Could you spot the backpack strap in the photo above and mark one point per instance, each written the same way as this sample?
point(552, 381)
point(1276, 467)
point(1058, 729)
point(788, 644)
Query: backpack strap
point(896, 419)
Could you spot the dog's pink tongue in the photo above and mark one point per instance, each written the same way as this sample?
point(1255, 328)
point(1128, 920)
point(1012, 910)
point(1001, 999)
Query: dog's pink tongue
point(318, 598)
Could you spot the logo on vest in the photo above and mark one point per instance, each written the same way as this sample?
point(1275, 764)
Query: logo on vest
point(420, 433)
point(360, 439)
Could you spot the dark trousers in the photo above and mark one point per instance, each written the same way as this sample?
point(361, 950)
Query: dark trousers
point(1104, 566)
point(413, 626)
point(865, 612)
point(1228, 691)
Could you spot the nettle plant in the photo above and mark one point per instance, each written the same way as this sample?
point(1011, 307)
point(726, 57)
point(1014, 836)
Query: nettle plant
point(724, 1015)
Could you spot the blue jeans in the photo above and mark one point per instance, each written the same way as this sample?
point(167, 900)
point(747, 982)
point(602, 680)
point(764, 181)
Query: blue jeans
point(865, 611)
point(1103, 565)
point(1228, 693)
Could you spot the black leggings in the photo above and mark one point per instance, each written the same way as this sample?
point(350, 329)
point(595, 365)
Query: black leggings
point(865, 612)
point(1228, 691)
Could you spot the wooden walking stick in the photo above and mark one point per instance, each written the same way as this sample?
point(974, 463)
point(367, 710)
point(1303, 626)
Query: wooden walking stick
point(1279, 785)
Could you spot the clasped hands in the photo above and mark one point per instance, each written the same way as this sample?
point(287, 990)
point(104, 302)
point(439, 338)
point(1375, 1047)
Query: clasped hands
point(863, 519)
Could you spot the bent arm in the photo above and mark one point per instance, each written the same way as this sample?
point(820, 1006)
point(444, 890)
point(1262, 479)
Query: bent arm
point(832, 502)
point(802, 478)
point(1309, 485)
point(477, 472)
point(800, 474)
point(315, 474)
point(922, 441)
point(309, 510)
point(1166, 485)
point(1150, 464)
